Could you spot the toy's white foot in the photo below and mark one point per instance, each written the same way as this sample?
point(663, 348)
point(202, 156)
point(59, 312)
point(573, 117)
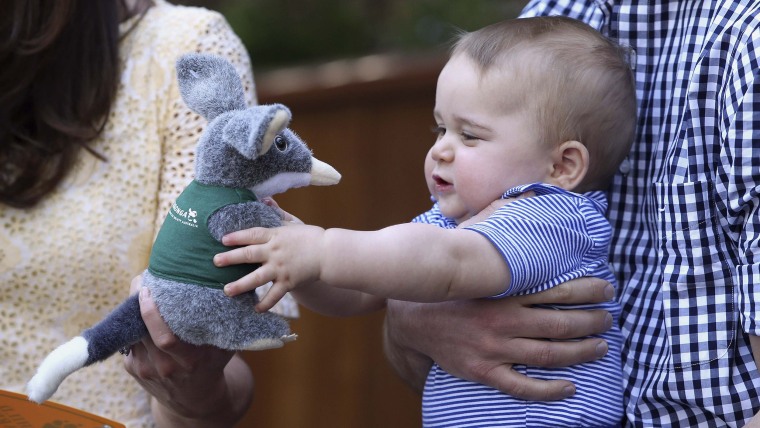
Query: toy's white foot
point(262, 344)
point(63, 361)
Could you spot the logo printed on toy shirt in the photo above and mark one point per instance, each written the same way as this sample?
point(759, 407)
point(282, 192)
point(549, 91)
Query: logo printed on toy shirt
point(186, 217)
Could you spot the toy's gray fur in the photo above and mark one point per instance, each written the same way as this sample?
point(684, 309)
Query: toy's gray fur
point(216, 87)
point(205, 316)
point(244, 148)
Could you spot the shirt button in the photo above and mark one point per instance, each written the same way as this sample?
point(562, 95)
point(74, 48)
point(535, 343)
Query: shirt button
point(625, 167)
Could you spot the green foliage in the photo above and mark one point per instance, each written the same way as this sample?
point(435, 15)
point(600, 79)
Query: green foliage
point(433, 23)
point(283, 32)
point(286, 31)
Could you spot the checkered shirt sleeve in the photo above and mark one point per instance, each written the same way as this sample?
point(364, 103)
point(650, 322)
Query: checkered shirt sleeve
point(686, 243)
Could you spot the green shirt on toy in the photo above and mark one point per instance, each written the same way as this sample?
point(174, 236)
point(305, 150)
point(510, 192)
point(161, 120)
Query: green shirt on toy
point(187, 222)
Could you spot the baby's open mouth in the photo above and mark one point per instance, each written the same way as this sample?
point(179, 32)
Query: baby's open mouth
point(439, 181)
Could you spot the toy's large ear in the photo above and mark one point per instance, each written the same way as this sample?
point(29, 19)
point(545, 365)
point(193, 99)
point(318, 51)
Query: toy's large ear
point(209, 85)
point(252, 131)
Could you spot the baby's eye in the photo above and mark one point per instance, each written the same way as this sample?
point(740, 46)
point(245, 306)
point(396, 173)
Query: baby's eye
point(468, 137)
point(439, 131)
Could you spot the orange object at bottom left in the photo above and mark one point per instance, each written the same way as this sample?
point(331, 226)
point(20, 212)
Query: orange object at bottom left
point(16, 411)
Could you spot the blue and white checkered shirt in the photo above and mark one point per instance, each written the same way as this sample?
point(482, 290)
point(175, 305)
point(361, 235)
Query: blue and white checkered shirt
point(686, 217)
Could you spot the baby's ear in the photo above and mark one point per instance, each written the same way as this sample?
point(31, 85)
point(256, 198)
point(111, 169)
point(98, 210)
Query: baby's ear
point(570, 165)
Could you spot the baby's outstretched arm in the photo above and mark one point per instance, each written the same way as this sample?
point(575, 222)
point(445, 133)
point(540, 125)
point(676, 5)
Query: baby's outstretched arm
point(414, 262)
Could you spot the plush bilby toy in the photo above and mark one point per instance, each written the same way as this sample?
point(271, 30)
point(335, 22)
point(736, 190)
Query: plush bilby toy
point(244, 154)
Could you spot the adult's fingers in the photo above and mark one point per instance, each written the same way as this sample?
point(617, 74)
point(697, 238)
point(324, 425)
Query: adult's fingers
point(158, 330)
point(487, 320)
point(564, 324)
point(135, 363)
point(135, 285)
point(516, 384)
point(165, 350)
point(575, 292)
point(544, 353)
point(568, 324)
point(147, 363)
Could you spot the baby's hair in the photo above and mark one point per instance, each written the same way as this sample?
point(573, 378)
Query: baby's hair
point(573, 83)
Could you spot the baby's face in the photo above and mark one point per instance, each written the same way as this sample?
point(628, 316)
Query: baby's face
point(482, 148)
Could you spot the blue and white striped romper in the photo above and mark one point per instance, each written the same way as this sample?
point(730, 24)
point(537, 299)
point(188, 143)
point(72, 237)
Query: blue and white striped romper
point(546, 240)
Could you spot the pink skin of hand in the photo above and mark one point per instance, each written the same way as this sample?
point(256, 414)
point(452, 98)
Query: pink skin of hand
point(285, 258)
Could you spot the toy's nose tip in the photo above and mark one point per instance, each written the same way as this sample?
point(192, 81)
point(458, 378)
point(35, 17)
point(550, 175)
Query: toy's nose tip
point(323, 174)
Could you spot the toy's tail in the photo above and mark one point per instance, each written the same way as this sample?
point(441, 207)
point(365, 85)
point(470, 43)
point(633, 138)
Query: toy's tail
point(120, 329)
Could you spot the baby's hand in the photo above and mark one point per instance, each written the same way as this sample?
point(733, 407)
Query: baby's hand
point(289, 257)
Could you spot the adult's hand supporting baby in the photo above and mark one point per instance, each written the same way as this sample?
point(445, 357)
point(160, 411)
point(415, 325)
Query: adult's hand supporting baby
point(480, 340)
point(191, 385)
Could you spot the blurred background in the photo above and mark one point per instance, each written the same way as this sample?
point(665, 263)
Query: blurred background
point(359, 77)
point(294, 32)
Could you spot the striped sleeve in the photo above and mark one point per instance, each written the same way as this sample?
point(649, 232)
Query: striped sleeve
point(546, 240)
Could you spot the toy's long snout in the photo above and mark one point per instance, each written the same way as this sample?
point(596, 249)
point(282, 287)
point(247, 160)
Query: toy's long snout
point(323, 174)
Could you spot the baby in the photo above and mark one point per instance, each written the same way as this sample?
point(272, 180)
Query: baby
point(539, 112)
